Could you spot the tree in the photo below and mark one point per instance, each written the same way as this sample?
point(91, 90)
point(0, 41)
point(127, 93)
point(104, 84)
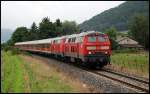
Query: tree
point(21, 34)
point(58, 23)
point(69, 27)
point(117, 16)
point(139, 29)
point(46, 29)
point(58, 27)
point(33, 33)
point(112, 33)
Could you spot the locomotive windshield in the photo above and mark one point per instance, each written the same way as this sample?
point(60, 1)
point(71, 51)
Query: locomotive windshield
point(92, 39)
point(98, 38)
point(102, 38)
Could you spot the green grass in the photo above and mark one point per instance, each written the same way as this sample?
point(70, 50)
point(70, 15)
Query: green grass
point(11, 76)
point(45, 84)
point(13, 73)
point(138, 62)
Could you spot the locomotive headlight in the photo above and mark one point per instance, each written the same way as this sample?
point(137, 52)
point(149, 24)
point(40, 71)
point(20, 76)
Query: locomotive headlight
point(91, 48)
point(106, 52)
point(104, 47)
point(89, 52)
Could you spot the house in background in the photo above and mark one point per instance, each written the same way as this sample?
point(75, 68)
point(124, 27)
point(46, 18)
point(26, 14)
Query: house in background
point(126, 42)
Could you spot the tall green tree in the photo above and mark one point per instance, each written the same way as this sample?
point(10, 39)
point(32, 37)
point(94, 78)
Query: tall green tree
point(69, 27)
point(46, 29)
point(34, 32)
point(58, 23)
point(112, 33)
point(21, 34)
point(58, 27)
point(139, 29)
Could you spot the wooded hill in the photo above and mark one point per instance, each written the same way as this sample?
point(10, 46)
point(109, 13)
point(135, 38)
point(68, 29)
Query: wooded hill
point(117, 17)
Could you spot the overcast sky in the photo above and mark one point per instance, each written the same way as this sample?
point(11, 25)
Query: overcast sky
point(24, 13)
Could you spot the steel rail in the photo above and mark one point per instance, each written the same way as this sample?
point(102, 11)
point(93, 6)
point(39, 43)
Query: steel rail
point(125, 75)
point(121, 81)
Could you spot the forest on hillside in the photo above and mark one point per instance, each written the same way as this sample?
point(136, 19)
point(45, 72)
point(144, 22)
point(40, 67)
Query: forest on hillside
point(118, 17)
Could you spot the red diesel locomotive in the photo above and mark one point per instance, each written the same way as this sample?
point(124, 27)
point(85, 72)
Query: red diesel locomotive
point(90, 47)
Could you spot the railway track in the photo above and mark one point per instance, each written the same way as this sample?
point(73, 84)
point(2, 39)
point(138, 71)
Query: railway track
point(132, 82)
point(139, 84)
point(134, 77)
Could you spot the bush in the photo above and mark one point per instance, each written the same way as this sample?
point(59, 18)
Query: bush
point(126, 50)
point(7, 48)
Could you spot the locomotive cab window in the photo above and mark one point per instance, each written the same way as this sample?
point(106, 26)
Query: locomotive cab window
point(91, 38)
point(102, 38)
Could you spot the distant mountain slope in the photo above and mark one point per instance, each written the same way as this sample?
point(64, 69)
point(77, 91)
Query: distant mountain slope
point(117, 17)
point(5, 34)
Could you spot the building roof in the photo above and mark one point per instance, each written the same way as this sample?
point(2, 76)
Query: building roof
point(126, 40)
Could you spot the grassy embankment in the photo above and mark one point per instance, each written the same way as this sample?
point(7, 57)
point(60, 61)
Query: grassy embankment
point(131, 62)
point(28, 75)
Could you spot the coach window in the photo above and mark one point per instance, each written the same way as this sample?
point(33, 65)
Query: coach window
point(80, 39)
point(41, 46)
point(69, 40)
point(54, 41)
point(38, 46)
point(44, 46)
point(73, 39)
point(47, 45)
point(34, 46)
point(58, 41)
point(66, 40)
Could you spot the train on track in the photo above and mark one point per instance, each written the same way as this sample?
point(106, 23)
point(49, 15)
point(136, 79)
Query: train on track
point(92, 47)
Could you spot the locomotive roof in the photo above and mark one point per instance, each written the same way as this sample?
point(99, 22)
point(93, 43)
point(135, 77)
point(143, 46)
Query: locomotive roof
point(84, 33)
point(89, 32)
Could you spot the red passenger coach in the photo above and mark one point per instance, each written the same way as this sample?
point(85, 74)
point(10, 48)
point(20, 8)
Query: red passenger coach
point(90, 47)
